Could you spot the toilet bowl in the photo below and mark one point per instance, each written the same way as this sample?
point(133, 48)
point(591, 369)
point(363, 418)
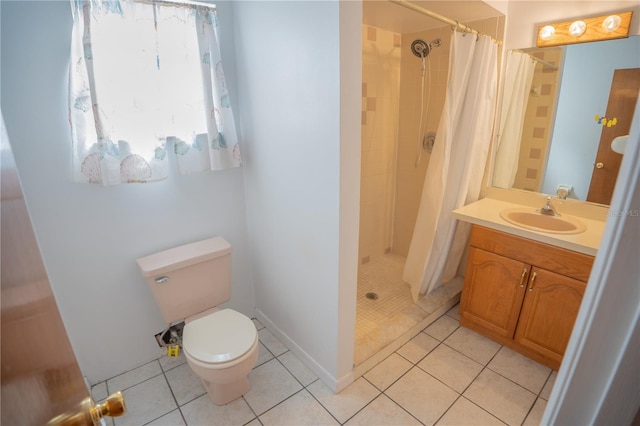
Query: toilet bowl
point(189, 283)
point(221, 348)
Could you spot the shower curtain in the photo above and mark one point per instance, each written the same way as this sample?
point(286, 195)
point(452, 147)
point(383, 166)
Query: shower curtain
point(457, 163)
point(517, 86)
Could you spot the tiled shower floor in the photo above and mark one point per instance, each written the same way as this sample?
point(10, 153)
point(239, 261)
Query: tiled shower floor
point(384, 322)
point(382, 276)
point(446, 374)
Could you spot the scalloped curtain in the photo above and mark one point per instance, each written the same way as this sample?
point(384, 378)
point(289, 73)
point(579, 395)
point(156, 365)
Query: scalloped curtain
point(146, 79)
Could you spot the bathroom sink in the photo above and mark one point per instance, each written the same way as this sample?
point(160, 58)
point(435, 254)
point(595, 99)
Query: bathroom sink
point(530, 219)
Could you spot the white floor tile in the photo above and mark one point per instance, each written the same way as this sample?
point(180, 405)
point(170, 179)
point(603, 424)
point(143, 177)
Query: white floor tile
point(258, 324)
point(271, 342)
point(297, 368)
point(203, 411)
point(388, 371)
point(346, 403)
point(442, 327)
point(454, 312)
point(501, 397)
point(300, 410)
point(263, 355)
point(99, 391)
point(418, 347)
point(520, 369)
point(147, 401)
point(174, 418)
point(133, 377)
point(451, 367)
point(383, 411)
point(185, 384)
point(548, 387)
point(169, 362)
point(271, 384)
point(421, 395)
point(465, 412)
point(535, 415)
point(473, 345)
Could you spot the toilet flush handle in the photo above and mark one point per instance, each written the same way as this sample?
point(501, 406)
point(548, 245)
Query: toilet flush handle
point(162, 280)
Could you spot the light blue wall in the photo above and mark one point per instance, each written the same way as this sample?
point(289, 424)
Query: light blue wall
point(584, 91)
point(90, 235)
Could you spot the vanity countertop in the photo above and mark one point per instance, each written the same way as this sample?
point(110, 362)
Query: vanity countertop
point(486, 212)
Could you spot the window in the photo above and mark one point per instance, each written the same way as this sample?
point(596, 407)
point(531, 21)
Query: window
point(144, 78)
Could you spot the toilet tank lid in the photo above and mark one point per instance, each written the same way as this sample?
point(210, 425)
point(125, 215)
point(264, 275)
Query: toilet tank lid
point(182, 256)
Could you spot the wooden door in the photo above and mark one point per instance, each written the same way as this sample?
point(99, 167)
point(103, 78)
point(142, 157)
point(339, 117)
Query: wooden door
point(493, 291)
point(40, 375)
point(621, 106)
point(549, 311)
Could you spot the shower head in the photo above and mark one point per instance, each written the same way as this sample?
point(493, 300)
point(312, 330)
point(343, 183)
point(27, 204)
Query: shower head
point(421, 48)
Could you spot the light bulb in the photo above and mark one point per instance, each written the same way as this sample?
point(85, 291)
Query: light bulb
point(547, 32)
point(577, 28)
point(611, 23)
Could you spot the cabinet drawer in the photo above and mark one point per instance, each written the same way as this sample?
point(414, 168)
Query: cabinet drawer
point(562, 261)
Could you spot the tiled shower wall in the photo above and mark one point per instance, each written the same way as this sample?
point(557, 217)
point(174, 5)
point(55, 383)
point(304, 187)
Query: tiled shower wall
point(380, 96)
point(410, 178)
point(391, 184)
point(538, 121)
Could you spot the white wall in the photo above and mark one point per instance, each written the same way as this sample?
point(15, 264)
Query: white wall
point(289, 81)
point(599, 381)
point(91, 235)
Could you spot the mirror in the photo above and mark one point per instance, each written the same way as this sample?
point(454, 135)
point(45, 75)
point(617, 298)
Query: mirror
point(562, 125)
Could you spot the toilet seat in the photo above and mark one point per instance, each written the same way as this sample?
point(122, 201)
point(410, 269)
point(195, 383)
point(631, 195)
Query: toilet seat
point(220, 339)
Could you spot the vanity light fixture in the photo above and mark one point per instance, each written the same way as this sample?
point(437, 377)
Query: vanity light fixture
point(547, 32)
point(583, 30)
point(611, 23)
point(577, 28)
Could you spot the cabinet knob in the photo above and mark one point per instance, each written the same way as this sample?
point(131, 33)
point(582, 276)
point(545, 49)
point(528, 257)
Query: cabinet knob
point(524, 274)
point(599, 165)
point(532, 280)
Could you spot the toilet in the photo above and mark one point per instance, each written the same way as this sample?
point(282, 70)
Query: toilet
point(220, 345)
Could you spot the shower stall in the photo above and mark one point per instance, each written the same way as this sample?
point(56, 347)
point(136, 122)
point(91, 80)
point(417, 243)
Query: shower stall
point(404, 80)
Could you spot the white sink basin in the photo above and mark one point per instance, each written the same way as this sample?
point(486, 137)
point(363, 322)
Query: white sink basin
point(528, 218)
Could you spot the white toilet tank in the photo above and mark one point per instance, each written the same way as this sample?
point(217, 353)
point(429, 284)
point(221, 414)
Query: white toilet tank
point(189, 279)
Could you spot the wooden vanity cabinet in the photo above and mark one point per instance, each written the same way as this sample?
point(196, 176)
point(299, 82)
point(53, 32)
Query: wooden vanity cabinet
point(522, 293)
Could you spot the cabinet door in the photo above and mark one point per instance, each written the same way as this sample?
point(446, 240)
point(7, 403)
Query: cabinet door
point(549, 310)
point(493, 291)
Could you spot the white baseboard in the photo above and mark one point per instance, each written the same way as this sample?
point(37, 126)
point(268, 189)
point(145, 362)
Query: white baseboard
point(336, 385)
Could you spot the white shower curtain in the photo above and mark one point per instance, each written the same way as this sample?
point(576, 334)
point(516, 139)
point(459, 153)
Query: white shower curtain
point(457, 163)
point(517, 86)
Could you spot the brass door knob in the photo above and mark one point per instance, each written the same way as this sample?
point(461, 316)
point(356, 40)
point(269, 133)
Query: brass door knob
point(113, 406)
point(89, 413)
point(599, 165)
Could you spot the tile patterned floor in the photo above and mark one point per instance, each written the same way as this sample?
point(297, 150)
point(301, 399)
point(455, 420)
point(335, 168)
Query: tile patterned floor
point(446, 375)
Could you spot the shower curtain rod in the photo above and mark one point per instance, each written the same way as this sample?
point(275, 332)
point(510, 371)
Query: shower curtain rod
point(179, 3)
point(441, 18)
point(545, 63)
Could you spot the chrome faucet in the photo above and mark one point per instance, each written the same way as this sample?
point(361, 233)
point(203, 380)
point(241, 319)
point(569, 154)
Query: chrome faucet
point(548, 208)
